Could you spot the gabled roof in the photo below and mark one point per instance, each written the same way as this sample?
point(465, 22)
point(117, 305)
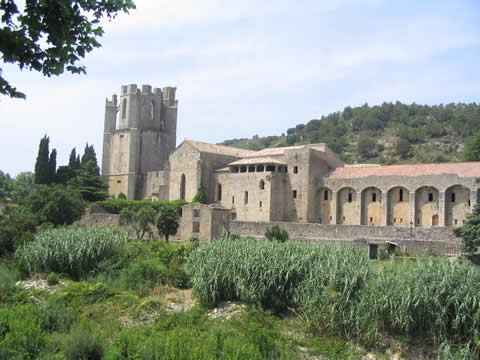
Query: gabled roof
point(218, 149)
point(465, 169)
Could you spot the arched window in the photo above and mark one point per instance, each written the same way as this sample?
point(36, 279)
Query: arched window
point(243, 169)
point(325, 195)
point(350, 197)
point(124, 108)
point(374, 197)
point(152, 111)
point(260, 168)
point(251, 168)
point(271, 168)
point(182, 187)
point(400, 195)
point(262, 185)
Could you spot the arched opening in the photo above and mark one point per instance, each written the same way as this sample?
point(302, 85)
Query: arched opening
point(219, 192)
point(182, 187)
point(261, 185)
point(243, 169)
point(270, 168)
point(260, 168)
point(124, 108)
point(398, 206)
point(457, 205)
point(371, 207)
point(234, 169)
point(251, 168)
point(426, 206)
point(324, 206)
point(347, 211)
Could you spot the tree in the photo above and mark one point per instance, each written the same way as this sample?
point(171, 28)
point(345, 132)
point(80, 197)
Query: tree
point(52, 36)
point(52, 165)
point(42, 164)
point(472, 148)
point(470, 231)
point(140, 220)
point(56, 204)
point(6, 184)
point(23, 185)
point(365, 145)
point(17, 224)
point(200, 196)
point(89, 183)
point(167, 222)
point(74, 160)
point(276, 233)
point(403, 148)
point(89, 154)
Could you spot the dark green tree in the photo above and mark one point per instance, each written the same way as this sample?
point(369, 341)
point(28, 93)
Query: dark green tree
point(52, 165)
point(23, 185)
point(470, 231)
point(89, 183)
point(17, 224)
point(52, 36)
point(42, 164)
point(89, 154)
point(74, 160)
point(403, 148)
point(167, 222)
point(365, 146)
point(140, 219)
point(472, 148)
point(55, 204)
point(6, 185)
point(200, 196)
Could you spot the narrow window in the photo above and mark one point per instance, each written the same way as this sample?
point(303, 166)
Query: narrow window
point(121, 136)
point(245, 198)
point(325, 195)
point(295, 169)
point(430, 196)
point(152, 111)
point(182, 187)
point(350, 197)
point(233, 199)
point(330, 218)
point(374, 197)
point(260, 204)
point(262, 185)
point(468, 202)
point(196, 227)
point(400, 195)
point(119, 181)
point(219, 192)
point(251, 168)
point(124, 108)
point(294, 194)
point(418, 221)
point(401, 220)
point(394, 220)
point(452, 196)
point(371, 219)
point(456, 221)
point(234, 216)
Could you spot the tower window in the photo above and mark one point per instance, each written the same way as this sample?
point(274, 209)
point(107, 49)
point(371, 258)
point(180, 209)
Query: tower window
point(260, 204)
point(374, 197)
point(452, 196)
point(430, 196)
point(400, 195)
point(196, 227)
point(233, 199)
point(325, 195)
point(350, 197)
point(294, 194)
point(295, 169)
point(245, 198)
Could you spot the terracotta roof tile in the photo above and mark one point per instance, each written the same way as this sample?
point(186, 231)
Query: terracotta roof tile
point(465, 169)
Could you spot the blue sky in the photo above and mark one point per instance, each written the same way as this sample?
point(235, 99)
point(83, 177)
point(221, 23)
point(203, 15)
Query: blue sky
point(251, 67)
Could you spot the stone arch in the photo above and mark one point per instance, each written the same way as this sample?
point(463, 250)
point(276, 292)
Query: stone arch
point(324, 206)
point(270, 168)
point(371, 206)
point(260, 168)
point(398, 206)
point(347, 206)
point(183, 181)
point(426, 206)
point(457, 205)
point(251, 168)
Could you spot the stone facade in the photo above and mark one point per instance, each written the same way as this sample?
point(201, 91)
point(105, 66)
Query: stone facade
point(296, 184)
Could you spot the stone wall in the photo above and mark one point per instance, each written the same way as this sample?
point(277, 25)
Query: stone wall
point(411, 240)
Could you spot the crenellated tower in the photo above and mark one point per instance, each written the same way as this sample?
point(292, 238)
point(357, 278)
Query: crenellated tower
point(140, 132)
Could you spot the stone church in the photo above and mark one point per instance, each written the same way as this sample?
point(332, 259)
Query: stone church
point(300, 184)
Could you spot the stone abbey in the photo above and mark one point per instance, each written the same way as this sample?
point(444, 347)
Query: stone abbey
point(299, 184)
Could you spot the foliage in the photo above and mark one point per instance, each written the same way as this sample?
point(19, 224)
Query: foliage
point(6, 184)
point(200, 196)
point(7, 285)
point(45, 165)
point(115, 206)
point(72, 251)
point(143, 275)
point(276, 233)
point(167, 222)
point(365, 146)
point(17, 224)
point(122, 196)
point(403, 148)
point(23, 185)
point(140, 220)
point(52, 279)
point(82, 344)
point(470, 231)
point(51, 36)
point(55, 204)
point(472, 148)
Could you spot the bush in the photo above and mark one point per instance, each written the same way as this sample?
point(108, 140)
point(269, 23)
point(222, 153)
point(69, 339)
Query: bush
point(115, 206)
point(276, 233)
point(7, 283)
point(121, 196)
point(82, 345)
point(73, 251)
point(143, 275)
point(52, 279)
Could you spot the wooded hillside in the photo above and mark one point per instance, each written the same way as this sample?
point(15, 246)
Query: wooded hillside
point(386, 134)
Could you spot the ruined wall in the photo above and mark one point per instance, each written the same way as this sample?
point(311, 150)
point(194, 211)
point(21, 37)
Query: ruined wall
point(205, 222)
point(324, 206)
point(411, 240)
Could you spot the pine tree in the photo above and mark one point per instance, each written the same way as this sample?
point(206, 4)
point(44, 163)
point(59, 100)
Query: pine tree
point(89, 183)
point(42, 164)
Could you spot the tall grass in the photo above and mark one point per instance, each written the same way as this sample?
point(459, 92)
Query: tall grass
point(72, 251)
point(339, 291)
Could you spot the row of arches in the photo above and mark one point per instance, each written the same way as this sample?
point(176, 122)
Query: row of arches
point(397, 207)
point(259, 168)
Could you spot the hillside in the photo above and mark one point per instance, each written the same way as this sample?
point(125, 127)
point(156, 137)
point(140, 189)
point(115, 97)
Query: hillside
point(385, 134)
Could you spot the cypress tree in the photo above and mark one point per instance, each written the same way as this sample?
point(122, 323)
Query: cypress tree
point(42, 164)
point(89, 154)
point(74, 160)
point(52, 165)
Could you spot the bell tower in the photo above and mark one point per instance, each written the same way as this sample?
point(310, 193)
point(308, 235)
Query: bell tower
point(140, 132)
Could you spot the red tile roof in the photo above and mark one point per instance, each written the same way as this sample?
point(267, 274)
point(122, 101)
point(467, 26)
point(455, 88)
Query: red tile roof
point(465, 169)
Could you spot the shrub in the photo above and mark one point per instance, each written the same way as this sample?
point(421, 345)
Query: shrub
point(75, 252)
point(140, 220)
point(115, 206)
point(276, 233)
point(82, 345)
point(7, 283)
point(167, 222)
point(52, 279)
point(143, 275)
point(200, 196)
point(121, 196)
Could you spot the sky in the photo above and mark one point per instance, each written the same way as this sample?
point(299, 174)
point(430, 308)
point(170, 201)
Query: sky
point(245, 68)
